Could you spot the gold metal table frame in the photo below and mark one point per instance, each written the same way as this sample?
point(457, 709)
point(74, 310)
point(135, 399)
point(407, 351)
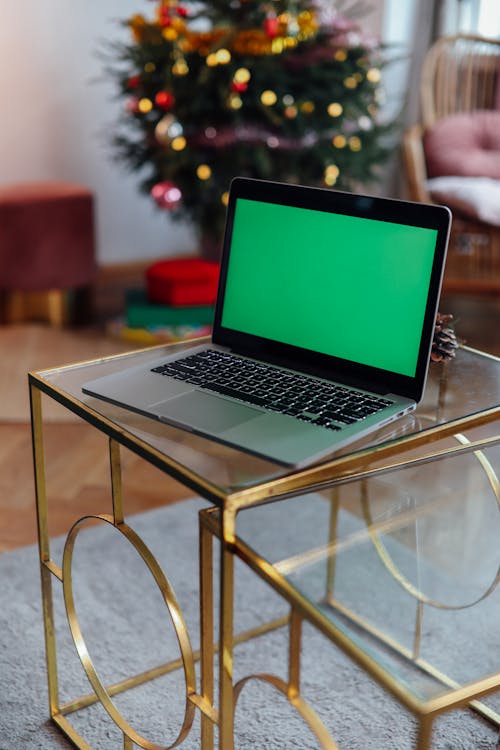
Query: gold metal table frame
point(211, 473)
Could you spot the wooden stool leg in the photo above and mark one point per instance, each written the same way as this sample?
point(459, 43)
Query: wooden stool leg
point(51, 306)
point(14, 307)
point(57, 304)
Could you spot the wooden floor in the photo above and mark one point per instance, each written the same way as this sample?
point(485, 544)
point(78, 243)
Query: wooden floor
point(76, 455)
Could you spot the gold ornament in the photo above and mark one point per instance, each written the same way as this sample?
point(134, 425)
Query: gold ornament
point(277, 45)
point(138, 25)
point(307, 107)
point(170, 34)
point(354, 143)
point(144, 105)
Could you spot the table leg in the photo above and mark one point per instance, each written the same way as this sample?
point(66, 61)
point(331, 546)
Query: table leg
point(206, 631)
point(424, 734)
point(226, 698)
point(46, 568)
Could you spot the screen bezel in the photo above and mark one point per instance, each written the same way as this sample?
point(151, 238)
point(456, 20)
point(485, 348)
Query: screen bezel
point(350, 204)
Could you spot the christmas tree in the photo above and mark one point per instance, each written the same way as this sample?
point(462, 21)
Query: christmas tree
point(276, 89)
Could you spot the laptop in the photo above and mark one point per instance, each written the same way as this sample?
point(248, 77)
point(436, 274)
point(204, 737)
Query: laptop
point(323, 324)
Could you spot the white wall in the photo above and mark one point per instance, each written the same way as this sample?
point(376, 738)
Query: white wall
point(57, 116)
point(58, 110)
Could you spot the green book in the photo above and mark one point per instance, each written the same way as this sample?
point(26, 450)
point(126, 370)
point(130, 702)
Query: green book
point(141, 313)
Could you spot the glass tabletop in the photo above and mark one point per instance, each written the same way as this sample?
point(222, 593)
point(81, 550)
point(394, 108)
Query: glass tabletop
point(467, 385)
point(405, 566)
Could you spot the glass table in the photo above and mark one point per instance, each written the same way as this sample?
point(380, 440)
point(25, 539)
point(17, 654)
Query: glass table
point(381, 505)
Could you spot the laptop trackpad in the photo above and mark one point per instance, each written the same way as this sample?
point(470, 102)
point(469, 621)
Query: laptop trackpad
point(205, 411)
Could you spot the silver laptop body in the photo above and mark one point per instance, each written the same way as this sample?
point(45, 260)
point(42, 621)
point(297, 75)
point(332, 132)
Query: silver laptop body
point(325, 312)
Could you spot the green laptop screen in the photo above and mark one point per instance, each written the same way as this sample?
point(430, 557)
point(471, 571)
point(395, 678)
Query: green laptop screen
point(349, 287)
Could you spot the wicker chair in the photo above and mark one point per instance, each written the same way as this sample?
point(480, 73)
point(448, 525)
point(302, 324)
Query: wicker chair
point(460, 74)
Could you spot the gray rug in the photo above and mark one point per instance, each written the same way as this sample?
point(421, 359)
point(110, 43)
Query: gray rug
point(127, 629)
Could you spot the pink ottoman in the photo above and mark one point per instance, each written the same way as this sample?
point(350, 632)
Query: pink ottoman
point(47, 248)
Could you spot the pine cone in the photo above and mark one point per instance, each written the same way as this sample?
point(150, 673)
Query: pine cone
point(445, 341)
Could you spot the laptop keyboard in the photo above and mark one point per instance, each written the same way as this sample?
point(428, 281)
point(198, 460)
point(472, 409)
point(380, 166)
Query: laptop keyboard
point(310, 400)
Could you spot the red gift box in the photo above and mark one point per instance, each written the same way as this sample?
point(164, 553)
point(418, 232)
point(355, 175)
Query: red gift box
point(183, 281)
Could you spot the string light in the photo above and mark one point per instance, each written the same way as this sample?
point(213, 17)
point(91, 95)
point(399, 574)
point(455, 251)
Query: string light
point(331, 174)
point(203, 172)
point(335, 109)
point(365, 123)
point(179, 143)
point(242, 75)
point(235, 101)
point(268, 98)
point(223, 56)
point(373, 75)
point(180, 67)
point(185, 51)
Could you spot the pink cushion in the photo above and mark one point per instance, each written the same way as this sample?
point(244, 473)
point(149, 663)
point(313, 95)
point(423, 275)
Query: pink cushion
point(466, 144)
point(46, 236)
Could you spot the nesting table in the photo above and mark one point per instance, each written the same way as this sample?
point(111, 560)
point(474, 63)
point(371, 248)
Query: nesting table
point(404, 522)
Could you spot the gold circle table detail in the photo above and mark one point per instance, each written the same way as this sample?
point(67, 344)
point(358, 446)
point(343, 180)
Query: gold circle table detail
point(295, 699)
point(392, 567)
point(175, 615)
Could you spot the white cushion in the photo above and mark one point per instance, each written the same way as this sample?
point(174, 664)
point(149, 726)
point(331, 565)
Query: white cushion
point(477, 197)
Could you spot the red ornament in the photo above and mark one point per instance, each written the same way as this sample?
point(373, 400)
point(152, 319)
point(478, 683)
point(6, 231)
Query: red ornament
point(165, 19)
point(182, 11)
point(271, 26)
point(239, 86)
point(133, 82)
point(166, 195)
point(164, 100)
